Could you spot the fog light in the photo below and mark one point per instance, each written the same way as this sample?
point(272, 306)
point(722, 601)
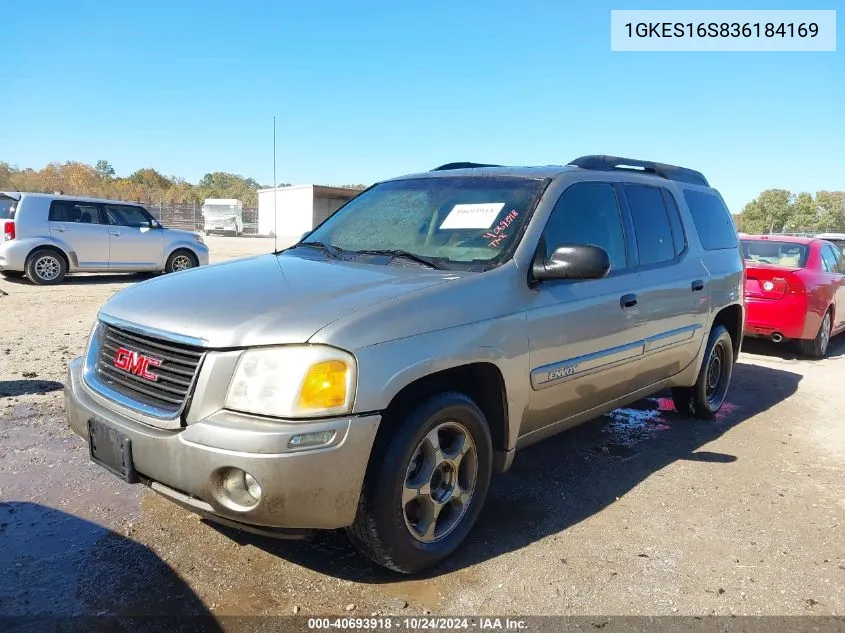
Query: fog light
point(252, 486)
point(237, 490)
point(306, 440)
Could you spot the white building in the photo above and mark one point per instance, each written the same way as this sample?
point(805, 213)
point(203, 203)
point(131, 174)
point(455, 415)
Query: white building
point(288, 212)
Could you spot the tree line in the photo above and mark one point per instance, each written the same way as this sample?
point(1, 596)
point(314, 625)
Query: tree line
point(144, 185)
point(781, 211)
point(773, 211)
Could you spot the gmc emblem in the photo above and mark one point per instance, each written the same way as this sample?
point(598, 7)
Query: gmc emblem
point(136, 363)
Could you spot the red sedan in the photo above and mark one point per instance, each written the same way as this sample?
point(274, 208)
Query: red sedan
point(794, 290)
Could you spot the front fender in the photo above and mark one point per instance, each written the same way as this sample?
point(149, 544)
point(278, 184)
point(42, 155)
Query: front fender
point(200, 250)
point(387, 368)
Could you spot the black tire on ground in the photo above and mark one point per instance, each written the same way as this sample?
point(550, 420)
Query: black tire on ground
point(384, 526)
point(45, 267)
point(704, 399)
point(817, 347)
point(12, 274)
point(181, 259)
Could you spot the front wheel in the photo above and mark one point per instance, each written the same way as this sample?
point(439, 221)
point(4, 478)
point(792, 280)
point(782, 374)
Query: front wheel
point(426, 485)
point(180, 260)
point(705, 398)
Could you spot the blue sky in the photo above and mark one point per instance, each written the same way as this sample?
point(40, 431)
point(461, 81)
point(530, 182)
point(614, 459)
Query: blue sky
point(364, 91)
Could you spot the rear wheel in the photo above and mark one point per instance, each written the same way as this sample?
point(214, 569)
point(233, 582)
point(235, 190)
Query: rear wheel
point(45, 267)
point(817, 347)
point(704, 399)
point(426, 485)
point(180, 260)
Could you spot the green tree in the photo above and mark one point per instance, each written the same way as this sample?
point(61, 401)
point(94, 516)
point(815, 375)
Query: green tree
point(150, 179)
point(831, 205)
point(105, 170)
point(769, 212)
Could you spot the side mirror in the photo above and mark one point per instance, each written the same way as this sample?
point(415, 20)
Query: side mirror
point(304, 235)
point(572, 261)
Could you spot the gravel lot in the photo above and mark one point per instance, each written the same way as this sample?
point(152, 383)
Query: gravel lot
point(640, 512)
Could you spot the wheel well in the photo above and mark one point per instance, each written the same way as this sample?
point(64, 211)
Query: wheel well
point(731, 318)
point(184, 249)
point(482, 382)
point(48, 247)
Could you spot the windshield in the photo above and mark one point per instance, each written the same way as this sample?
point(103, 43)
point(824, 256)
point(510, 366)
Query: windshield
point(787, 254)
point(460, 221)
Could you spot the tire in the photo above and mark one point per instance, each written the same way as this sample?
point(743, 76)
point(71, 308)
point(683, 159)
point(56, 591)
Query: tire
point(45, 267)
point(12, 274)
point(817, 347)
point(393, 534)
point(704, 399)
point(180, 260)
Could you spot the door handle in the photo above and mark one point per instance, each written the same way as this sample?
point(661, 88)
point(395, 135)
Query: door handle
point(628, 301)
point(60, 229)
point(697, 285)
point(114, 232)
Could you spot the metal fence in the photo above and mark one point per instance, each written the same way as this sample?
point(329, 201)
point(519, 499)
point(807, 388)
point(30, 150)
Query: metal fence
point(189, 217)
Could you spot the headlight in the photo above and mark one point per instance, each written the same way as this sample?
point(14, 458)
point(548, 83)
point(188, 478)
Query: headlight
point(198, 238)
point(293, 381)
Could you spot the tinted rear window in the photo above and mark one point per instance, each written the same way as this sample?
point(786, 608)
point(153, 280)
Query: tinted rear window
point(7, 208)
point(774, 252)
point(651, 224)
point(712, 220)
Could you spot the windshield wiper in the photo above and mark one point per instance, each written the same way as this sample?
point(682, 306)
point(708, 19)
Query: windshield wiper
point(333, 251)
point(400, 253)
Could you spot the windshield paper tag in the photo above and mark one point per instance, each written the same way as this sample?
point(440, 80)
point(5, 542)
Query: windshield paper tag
point(472, 216)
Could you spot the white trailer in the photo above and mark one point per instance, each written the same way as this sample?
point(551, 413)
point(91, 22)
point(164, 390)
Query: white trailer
point(223, 215)
point(288, 212)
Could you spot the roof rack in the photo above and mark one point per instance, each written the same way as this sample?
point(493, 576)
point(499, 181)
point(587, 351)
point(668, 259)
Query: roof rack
point(669, 172)
point(449, 166)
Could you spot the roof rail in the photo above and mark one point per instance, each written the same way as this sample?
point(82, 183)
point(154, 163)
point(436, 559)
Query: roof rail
point(670, 172)
point(449, 166)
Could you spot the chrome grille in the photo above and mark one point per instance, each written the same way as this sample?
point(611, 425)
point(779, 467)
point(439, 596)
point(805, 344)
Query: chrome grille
point(176, 372)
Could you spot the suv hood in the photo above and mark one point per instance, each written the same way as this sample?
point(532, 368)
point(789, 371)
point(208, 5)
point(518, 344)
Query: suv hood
point(264, 300)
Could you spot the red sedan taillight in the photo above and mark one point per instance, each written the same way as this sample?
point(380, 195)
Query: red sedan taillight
point(8, 230)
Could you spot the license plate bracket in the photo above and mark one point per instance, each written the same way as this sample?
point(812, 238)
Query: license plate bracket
point(111, 450)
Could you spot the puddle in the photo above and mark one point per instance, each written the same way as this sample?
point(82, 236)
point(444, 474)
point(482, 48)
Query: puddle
point(647, 418)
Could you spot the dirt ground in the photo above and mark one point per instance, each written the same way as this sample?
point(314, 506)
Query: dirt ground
point(640, 512)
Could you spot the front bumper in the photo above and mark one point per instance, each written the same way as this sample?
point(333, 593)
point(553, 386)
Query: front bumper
point(301, 489)
point(203, 255)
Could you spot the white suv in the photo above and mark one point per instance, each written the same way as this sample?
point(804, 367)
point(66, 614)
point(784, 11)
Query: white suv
point(47, 236)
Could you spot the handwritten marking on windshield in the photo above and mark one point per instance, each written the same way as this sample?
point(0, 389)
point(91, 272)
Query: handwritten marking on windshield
point(497, 234)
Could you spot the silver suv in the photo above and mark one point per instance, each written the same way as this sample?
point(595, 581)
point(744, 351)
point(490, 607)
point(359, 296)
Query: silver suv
point(375, 375)
point(47, 236)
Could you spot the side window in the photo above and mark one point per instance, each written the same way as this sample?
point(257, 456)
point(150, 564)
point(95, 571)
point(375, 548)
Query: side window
point(829, 260)
point(651, 224)
point(712, 220)
point(588, 213)
point(840, 260)
point(678, 235)
point(70, 211)
point(126, 215)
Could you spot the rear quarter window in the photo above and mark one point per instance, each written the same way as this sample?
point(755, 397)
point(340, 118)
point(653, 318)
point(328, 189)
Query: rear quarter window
point(712, 220)
point(7, 208)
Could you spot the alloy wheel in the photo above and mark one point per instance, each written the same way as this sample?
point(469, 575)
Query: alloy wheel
point(439, 482)
point(47, 268)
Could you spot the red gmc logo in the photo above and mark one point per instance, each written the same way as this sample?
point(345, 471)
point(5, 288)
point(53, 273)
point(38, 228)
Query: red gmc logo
point(136, 363)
